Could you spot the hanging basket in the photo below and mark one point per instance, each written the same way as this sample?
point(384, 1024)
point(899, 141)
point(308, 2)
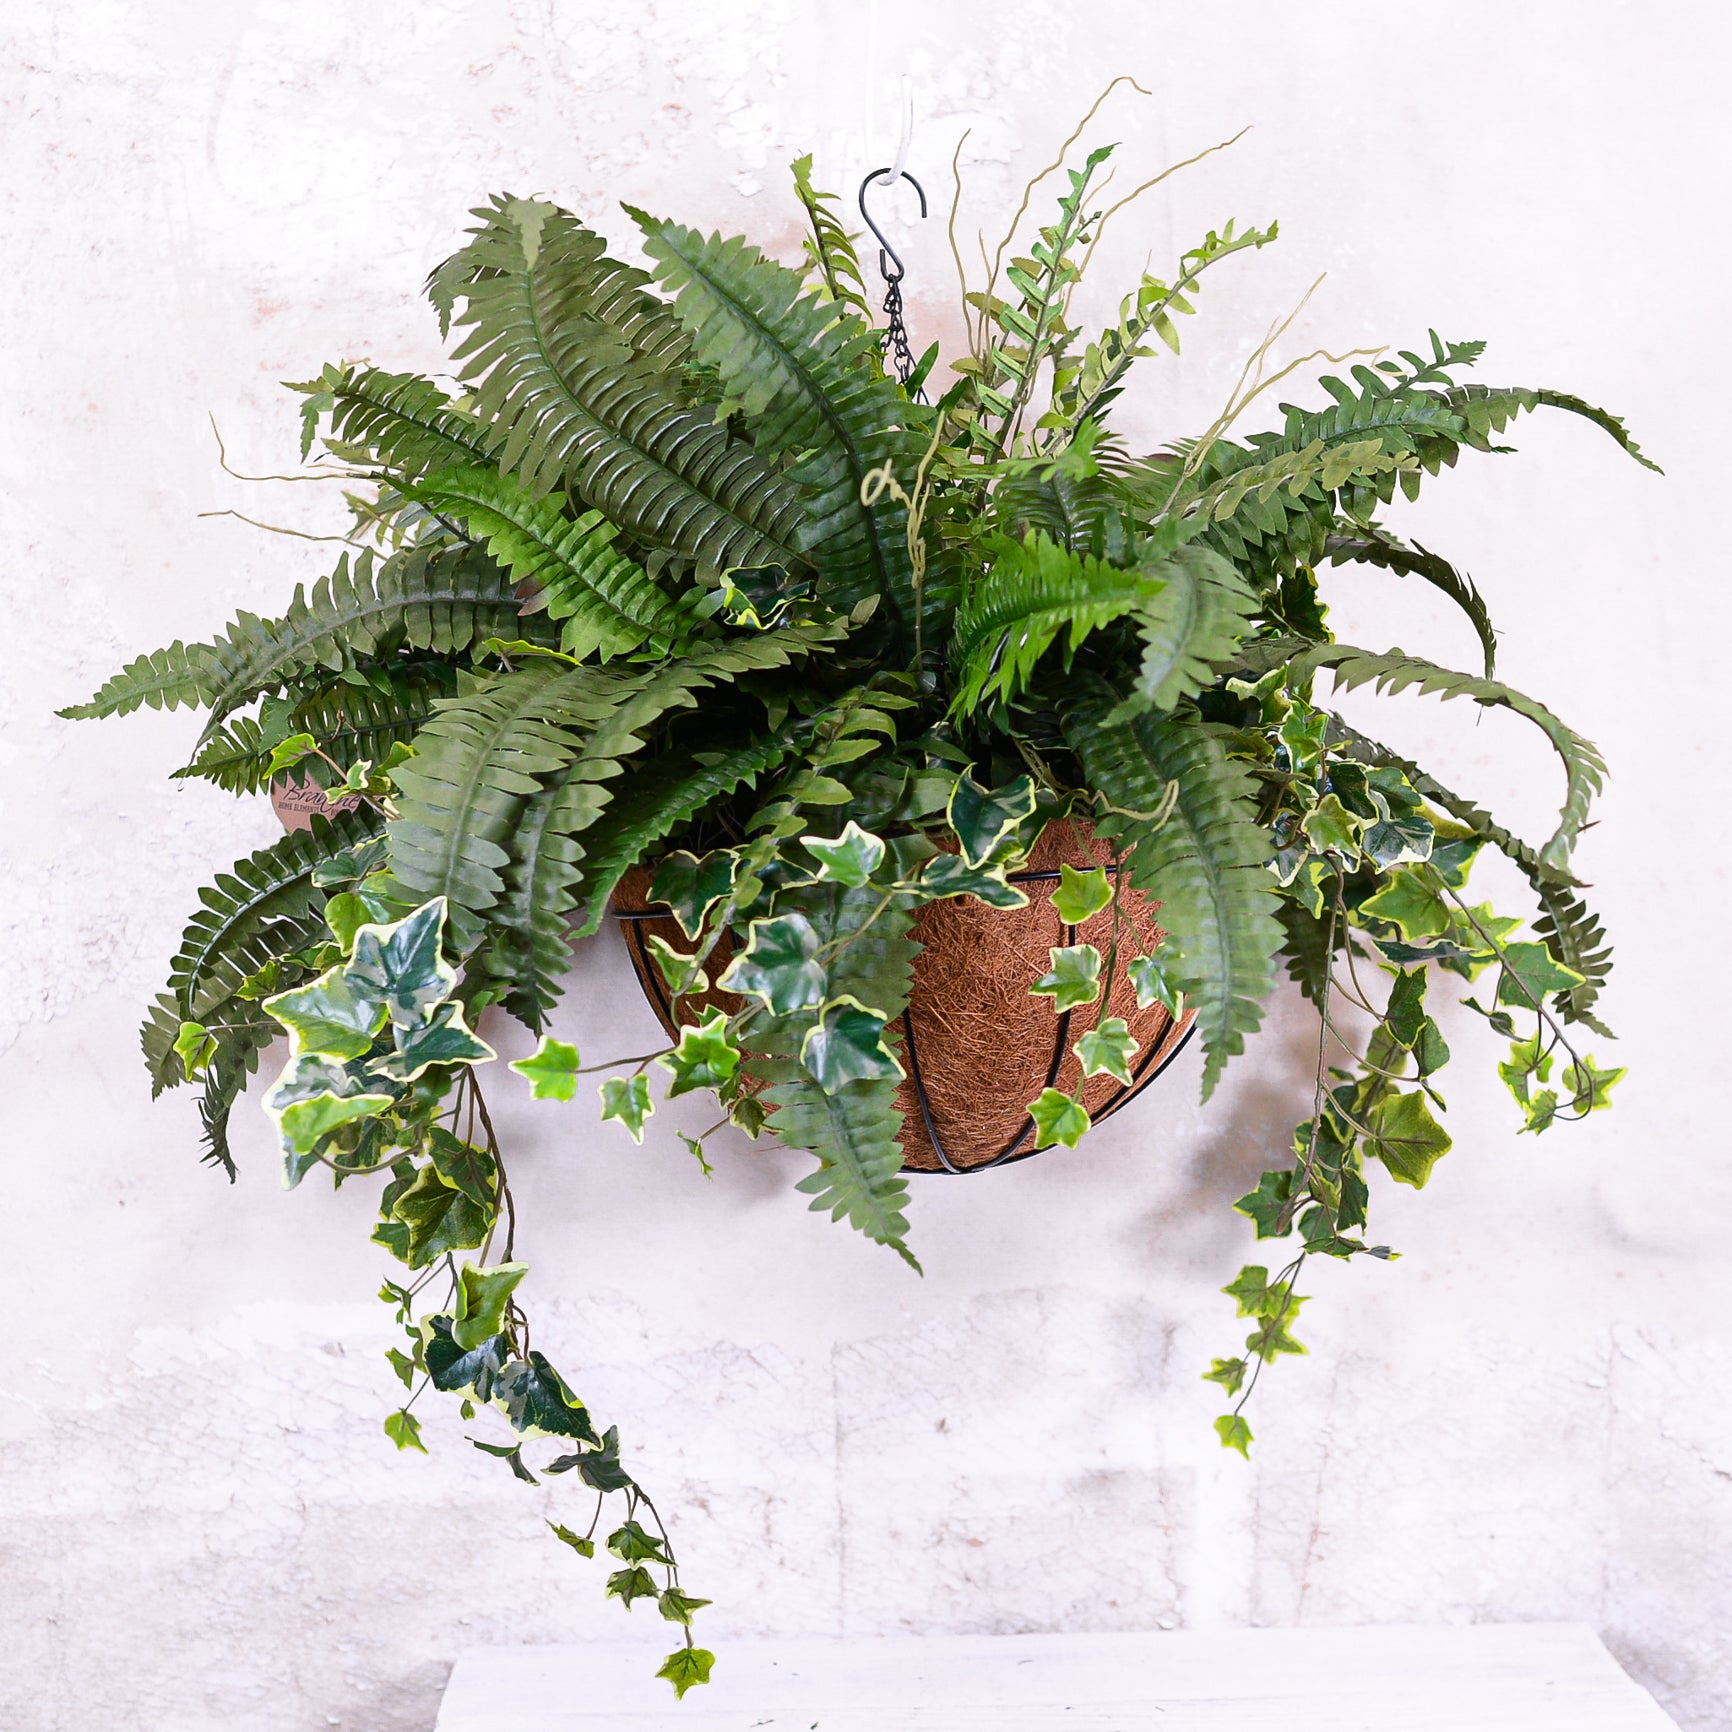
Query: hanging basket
point(976, 1045)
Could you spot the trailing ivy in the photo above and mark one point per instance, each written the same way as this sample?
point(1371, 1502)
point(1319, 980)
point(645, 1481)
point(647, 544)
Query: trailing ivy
point(682, 583)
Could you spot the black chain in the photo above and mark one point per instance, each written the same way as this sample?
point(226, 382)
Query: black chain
point(898, 356)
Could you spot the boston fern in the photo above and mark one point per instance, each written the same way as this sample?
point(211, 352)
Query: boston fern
point(682, 579)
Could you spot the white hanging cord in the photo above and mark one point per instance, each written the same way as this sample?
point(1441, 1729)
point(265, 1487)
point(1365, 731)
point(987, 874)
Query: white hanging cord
point(893, 174)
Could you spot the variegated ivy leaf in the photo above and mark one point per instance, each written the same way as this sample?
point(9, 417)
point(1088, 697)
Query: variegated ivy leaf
point(705, 1058)
point(1149, 976)
point(195, 1046)
point(432, 1217)
point(635, 1583)
point(289, 753)
point(951, 875)
point(1303, 733)
point(1058, 1118)
point(675, 1606)
point(315, 1096)
point(482, 1296)
point(679, 968)
point(444, 1038)
point(1107, 1050)
point(635, 1544)
point(1401, 833)
point(1530, 972)
point(1074, 978)
point(1590, 1086)
point(779, 965)
point(403, 966)
point(1331, 829)
point(1406, 1138)
point(551, 1070)
point(686, 1667)
point(628, 1100)
point(404, 1430)
point(983, 821)
point(849, 859)
point(1081, 895)
point(335, 1016)
point(539, 1403)
point(846, 1045)
point(1229, 1373)
point(1414, 907)
point(456, 1370)
point(1234, 1431)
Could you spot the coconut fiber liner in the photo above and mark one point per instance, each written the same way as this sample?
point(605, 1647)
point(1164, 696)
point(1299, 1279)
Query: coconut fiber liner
point(976, 1044)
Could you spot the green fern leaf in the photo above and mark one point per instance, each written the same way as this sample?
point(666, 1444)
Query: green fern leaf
point(854, 1130)
point(1205, 863)
point(802, 371)
point(829, 247)
point(570, 567)
point(264, 905)
point(570, 400)
point(1585, 769)
point(1378, 547)
point(349, 721)
point(1202, 611)
point(443, 599)
point(1488, 410)
point(399, 421)
point(1034, 592)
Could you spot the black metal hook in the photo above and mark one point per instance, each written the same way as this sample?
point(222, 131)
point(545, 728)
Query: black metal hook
point(887, 253)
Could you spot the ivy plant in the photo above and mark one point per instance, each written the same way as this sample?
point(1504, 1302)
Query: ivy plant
point(680, 577)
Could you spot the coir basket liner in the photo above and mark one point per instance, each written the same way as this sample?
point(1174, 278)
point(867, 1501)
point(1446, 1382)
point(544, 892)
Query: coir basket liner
point(976, 1044)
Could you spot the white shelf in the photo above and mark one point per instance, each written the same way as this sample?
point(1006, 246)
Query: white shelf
point(1478, 1678)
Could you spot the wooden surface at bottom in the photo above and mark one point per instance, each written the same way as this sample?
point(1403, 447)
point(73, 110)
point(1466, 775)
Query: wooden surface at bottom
point(1477, 1678)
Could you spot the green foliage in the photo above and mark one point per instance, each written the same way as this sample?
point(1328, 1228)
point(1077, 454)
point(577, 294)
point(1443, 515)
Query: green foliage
point(791, 364)
point(684, 592)
point(1204, 861)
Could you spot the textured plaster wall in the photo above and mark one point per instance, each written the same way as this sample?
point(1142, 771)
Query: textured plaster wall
point(1524, 1418)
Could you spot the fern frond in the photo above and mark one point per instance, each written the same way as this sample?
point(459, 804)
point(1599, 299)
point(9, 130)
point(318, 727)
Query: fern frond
point(166, 679)
point(1571, 933)
point(830, 247)
point(1584, 768)
point(447, 600)
point(1205, 863)
point(1377, 547)
point(803, 373)
point(570, 400)
point(1488, 410)
point(398, 421)
point(1201, 612)
point(262, 906)
point(1084, 388)
point(1034, 592)
point(854, 1131)
point(483, 756)
point(570, 567)
point(349, 721)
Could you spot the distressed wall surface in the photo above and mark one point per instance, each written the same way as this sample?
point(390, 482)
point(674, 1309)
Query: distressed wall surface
point(201, 1525)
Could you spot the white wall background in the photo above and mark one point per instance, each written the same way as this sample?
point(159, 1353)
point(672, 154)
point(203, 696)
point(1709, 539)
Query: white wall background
point(203, 1526)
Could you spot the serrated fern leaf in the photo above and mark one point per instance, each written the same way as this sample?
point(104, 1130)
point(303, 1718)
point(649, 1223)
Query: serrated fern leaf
point(1198, 617)
point(1035, 592)
point(829, 247)
point(854, 1131)
point(262, 906)
point(802, 372)
point(1205, 863)
point(570, 400)
point(1378, 547)
point(349, 721)
point(164, 680)
point(399, 421)
point(444, 599)
point(570, 567)
point(1584, 768)
point(1488, 410)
